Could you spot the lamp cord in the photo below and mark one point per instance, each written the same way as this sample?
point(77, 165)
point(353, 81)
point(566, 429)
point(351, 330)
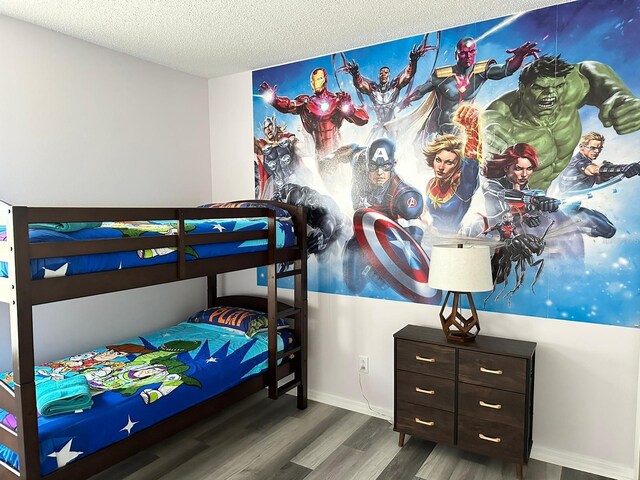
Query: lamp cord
point(378, 413)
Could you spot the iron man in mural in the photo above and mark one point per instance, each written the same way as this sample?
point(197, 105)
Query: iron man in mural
point(321, 114)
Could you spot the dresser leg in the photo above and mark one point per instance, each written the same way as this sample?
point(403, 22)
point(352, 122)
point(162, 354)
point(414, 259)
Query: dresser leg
point(519, 471)
point(401, 439)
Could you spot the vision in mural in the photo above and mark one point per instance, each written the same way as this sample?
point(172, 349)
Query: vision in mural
point(491, 133)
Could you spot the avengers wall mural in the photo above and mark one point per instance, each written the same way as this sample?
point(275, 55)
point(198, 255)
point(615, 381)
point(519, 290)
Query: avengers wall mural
point(519, 132)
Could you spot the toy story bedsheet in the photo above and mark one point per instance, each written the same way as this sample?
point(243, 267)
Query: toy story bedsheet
point(138, 382)
point(58, 266)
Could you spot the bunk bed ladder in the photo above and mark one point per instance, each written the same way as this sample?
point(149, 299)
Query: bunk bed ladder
point(21, 319)
point(298, 313)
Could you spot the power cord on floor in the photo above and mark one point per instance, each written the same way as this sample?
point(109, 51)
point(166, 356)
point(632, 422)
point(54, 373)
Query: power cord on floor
point(378, 413)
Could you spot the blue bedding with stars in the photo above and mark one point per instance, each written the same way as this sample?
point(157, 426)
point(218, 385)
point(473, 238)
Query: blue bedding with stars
point(64, 266)
point(139, 382)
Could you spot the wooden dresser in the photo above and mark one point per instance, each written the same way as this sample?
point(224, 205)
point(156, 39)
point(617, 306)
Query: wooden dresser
point(477, 395)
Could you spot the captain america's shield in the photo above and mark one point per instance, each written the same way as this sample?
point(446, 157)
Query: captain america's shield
point(394, 255)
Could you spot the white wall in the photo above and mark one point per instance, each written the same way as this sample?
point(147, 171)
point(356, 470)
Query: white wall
point(586, 375)
point(81, 125)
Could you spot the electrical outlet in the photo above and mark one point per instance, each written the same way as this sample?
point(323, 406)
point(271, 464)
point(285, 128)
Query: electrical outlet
point(363, 365)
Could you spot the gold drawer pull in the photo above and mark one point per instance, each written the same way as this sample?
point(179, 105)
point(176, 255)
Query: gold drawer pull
point(494, 372)
point(428, 392)
point(495, 406)
point(423, 359)
point(489, 439)
point(428, 424)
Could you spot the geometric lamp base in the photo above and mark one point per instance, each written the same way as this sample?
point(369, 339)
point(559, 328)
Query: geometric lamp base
point(455, 326)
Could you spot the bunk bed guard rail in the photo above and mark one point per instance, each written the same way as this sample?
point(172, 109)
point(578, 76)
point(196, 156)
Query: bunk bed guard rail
point(21, 292)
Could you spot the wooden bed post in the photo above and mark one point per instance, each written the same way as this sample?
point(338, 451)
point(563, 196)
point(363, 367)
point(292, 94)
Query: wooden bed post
point(272, 307)
point(21, 320)
point(298, 312)
point(301, 304)
point(212, 290)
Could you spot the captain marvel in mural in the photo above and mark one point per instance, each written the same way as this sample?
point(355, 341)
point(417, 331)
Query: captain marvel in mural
point(455, 162)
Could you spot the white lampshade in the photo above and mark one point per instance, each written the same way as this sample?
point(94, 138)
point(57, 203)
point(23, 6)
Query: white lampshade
point(466, 269)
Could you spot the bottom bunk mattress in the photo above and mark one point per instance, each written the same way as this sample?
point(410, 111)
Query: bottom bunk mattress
point(139, 382)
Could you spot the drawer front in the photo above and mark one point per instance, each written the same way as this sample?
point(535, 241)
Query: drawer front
point(425, 390)
point(425, 358)
point(491, 404)
point(424, 422)
point(490, 370)
point(491, 438)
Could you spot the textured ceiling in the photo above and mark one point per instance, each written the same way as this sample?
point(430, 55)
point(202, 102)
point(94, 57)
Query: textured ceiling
point(220, 37)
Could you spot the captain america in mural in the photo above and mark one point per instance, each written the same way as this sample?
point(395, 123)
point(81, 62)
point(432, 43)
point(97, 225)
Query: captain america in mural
point(561, 81)
point(387, 230)
point(375, 183)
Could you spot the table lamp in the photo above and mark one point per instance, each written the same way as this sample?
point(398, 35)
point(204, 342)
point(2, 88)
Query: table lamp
point(460, 269)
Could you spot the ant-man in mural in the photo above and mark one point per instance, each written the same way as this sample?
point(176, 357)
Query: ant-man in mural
point(520, 249)
point(321, 114)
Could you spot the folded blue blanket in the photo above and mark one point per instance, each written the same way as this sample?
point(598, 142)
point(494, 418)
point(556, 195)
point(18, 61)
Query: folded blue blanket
point(54, 397)
point(65, 227)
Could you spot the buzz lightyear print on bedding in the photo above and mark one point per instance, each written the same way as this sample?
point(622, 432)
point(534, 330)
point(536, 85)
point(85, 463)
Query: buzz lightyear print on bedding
point(139, 382)
point(73, 265)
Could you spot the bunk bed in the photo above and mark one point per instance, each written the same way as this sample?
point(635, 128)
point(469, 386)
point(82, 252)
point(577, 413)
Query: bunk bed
point(22, 289)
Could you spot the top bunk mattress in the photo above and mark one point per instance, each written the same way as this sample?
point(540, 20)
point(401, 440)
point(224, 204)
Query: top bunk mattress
point(74, 265)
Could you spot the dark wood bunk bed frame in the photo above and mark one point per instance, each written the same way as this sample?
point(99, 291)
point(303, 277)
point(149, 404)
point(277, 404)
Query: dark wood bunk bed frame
point(22, 293)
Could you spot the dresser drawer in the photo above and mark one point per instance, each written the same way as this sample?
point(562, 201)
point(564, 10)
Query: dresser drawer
point(424, 422)
point(506, 373)
point(424, 358)
point(425, 390)
point(491, 404)
point(491, 438)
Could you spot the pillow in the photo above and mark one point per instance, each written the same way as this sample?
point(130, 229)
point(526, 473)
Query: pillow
point(280, 212)
point(239, 319)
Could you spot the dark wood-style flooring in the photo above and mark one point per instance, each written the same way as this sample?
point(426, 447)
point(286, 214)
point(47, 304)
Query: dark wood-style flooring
point(262, 439)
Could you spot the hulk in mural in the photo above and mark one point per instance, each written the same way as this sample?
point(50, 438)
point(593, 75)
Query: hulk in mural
point(544, 111)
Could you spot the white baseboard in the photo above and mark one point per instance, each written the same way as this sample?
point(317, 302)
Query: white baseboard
point(354, 406)
point(582, 463)
point(556, 457)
